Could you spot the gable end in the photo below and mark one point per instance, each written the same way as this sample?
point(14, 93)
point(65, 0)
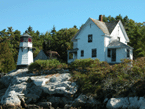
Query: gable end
point(123, 31)
point(74, 38)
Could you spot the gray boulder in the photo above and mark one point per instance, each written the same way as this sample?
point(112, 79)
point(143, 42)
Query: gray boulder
point(126, 102)
point(45, 104)
point(32, 93)
point(24, 88)
point(8, 78)
point(85, 101)
point(60, 84)
point(59, 100)
point(11, 98)
point(34, 106)
point(15, 88)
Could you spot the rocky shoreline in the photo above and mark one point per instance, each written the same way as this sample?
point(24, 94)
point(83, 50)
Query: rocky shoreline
point(50, 90)
point(53, 89)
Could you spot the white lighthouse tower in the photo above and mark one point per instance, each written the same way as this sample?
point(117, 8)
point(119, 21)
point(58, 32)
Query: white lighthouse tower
point(25, 56)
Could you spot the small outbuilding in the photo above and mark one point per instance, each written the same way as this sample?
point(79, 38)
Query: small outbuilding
point(47, 55)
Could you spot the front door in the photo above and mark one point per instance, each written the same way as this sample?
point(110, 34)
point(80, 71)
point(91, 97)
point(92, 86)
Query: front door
point(75, 55)
point(113, 55)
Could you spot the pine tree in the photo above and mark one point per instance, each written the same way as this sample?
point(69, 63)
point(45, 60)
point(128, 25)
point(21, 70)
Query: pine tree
point(7, 57)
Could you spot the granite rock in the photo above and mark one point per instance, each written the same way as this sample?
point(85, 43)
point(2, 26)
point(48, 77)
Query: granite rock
point(85, 101)
point(126, 102)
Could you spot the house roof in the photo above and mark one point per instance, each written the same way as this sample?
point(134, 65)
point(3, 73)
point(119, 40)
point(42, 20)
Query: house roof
point(41, 55)
point(111, 25)
point(118, 44)
point(107, 28)
point(73, 50)
point(101, 25)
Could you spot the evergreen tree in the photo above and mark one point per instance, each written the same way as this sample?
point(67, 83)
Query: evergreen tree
point(1, 66)
point(110, 19)
point(60, 41)
point(105, 19)
point(119, 17)
point(53, 31)
point(7, 56)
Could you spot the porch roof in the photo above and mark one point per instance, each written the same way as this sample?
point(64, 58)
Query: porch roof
point(118, 44)
point(72, 50)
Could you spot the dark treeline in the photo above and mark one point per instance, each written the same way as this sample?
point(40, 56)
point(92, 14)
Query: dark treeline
point(60, 41)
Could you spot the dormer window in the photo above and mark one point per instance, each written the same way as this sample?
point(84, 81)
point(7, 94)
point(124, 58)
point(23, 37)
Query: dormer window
point(90, 38)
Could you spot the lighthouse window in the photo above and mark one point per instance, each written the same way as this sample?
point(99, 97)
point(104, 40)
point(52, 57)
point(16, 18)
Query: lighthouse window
point(21, 40)
point(25, 39)
point(29, 40)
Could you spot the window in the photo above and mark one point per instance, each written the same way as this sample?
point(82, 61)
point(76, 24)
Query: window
point(127, 52)
point(90, 38)
point(90, 25)
point(25, 39)
point(118, 38)
point(94, 52)
point(82, 53)
point(109, 52)
point(113, 59)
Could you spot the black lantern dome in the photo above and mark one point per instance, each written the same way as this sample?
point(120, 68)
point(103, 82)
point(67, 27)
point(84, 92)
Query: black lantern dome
point(26, 38)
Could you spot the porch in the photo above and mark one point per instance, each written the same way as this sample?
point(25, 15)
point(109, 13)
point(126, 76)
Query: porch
point(71, 55)
point(117, 51)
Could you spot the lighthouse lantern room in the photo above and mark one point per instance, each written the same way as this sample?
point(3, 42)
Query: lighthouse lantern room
point(25, 56)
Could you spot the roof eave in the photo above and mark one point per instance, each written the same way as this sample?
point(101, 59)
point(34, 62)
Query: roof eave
point(74, 38)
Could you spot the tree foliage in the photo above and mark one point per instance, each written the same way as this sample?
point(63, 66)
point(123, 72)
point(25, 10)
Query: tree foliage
point(60, 41)
point(6, 58)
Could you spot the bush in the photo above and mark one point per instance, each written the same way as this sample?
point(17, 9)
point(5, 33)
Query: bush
point(46, 65)
point(85, 63)
point(93, 75)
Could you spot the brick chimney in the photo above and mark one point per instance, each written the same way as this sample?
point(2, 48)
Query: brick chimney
point(101, 18)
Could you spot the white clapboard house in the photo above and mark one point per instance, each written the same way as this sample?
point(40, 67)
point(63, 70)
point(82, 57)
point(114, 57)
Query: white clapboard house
point(98, 39)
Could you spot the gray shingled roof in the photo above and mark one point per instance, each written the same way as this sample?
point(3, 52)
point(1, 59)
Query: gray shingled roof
point(111, 25)
point(107, 28)
point(118, 44)
point(41, 55)
point(101, 25)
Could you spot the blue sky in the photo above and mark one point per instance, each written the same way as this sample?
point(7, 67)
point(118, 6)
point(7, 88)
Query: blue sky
point(41, 15)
